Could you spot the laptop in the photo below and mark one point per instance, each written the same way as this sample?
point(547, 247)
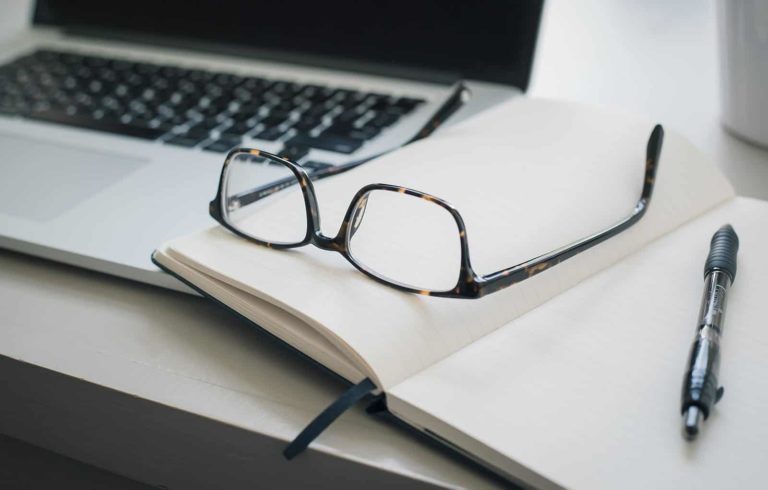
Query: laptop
point(115, 117)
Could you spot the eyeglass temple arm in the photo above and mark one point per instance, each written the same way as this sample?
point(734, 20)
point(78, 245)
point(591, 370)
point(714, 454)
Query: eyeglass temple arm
point(507, 277)
point(459, 96)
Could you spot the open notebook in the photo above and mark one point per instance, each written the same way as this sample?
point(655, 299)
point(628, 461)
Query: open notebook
point(570, 378)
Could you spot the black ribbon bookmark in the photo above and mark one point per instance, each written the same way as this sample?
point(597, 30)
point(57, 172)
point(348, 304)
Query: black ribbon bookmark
point(327, 416)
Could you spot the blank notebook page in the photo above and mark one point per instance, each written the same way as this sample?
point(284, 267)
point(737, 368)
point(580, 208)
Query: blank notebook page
point(585, 390)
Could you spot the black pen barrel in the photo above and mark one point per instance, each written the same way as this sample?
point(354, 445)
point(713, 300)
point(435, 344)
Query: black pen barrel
point(700, 386)
point(701, 389)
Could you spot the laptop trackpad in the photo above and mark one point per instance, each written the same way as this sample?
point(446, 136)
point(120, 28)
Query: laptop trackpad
point(40, 181)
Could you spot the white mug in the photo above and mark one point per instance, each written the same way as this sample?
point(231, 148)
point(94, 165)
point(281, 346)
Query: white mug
point(743, 27)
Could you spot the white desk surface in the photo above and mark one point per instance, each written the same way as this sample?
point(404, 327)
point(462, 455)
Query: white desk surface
point(655, 58)
point(185, 364)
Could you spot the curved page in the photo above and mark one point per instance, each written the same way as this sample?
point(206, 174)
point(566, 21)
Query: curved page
point(528, 176)
point(275, 320)
point(606, 379)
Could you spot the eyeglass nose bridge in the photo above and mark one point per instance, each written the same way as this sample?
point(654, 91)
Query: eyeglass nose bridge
point(334, 244)
point(349, 226)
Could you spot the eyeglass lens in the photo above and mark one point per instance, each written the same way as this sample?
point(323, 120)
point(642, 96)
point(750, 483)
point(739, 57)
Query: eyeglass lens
point(286, 220)
point(406, 239)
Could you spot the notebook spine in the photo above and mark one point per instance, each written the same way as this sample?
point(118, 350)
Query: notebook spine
point(261, 330)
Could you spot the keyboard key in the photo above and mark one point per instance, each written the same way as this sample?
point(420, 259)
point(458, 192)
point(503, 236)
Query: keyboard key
point(255, 83)
point(278, 115)
point(293, 153)
point(326, 142)
point(350, 131)
point(384, 119)
point(161, 125)
point(184, 140)
point(270, 134)
point(223, 145)
point(377, 102)
point(307, 123)
point(240, 116)
point(198, 132)
point(242, 128)
point(316, 94)
point(273, 121)
point(348, 116)
point(253, 107)
point(177, 120)
point(348, 104)
point(343, 93)
point(362, 134)
point(284, 107)
point(408, 104)
point(206, 125)
point(318, 111)
point(286, 89)
point(140, 120)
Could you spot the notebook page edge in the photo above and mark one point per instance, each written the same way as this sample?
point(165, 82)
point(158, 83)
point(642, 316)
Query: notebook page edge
point(320, 349)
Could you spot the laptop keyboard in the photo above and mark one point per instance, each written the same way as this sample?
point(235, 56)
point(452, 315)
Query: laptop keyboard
point(193, 108)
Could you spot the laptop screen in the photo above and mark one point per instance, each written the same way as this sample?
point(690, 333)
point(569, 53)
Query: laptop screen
point(491, 40)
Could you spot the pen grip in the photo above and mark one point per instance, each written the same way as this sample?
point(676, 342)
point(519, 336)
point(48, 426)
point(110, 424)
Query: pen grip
point(700, 387)
point(722, 252)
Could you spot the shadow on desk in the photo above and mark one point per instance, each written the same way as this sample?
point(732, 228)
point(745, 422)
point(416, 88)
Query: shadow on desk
point(27, 466)
point(170, 390)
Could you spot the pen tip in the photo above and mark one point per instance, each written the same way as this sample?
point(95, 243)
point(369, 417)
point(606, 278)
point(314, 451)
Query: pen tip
point(691, 418)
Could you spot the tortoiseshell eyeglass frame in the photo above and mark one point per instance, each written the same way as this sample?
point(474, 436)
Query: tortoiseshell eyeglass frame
point(469, 284)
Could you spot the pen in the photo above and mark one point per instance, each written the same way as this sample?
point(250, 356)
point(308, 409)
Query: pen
point(700, 386)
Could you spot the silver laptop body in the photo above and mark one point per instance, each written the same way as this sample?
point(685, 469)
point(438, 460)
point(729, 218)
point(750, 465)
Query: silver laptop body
point(104, 200)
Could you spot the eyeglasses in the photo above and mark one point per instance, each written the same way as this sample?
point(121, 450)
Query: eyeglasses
point(406, 239)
